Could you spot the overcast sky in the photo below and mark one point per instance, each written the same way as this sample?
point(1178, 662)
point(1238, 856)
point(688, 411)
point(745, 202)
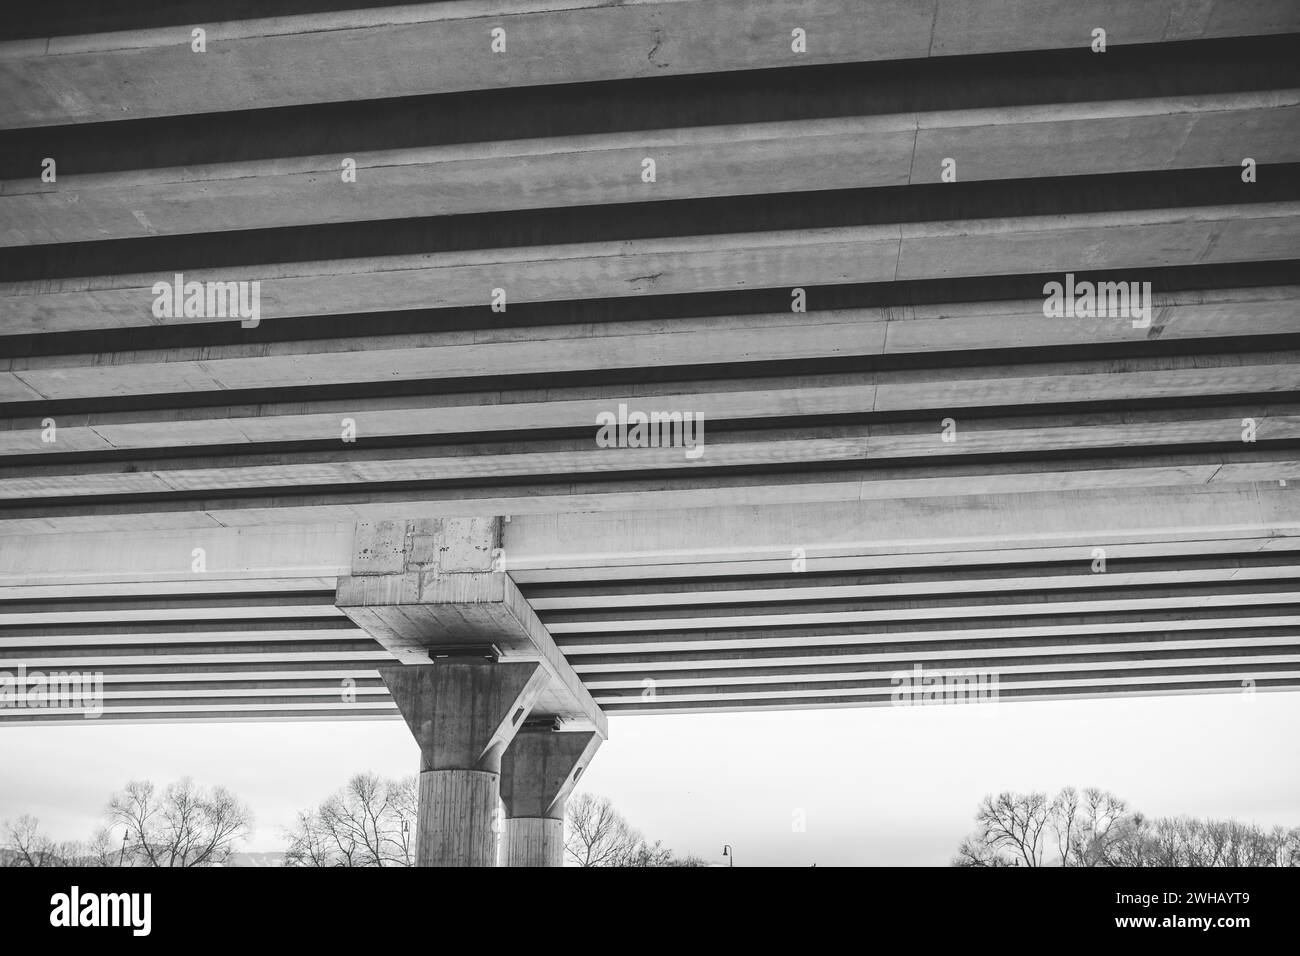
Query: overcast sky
point(879, 785)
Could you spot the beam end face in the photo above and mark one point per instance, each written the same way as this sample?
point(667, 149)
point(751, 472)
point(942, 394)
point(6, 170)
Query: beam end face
point(441, 545)
point(421, 584)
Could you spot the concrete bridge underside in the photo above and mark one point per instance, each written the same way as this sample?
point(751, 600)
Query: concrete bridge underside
point(389, 487)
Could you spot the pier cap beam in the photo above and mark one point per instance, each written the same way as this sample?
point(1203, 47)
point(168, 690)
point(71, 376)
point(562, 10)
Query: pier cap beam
point(438, 587)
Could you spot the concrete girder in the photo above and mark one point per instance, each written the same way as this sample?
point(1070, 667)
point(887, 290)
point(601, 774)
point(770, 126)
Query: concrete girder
point(844, 153)
point(1126, 239)
point(436, 48)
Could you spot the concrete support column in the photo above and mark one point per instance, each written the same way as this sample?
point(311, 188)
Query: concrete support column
point(538, 771)
point(532, 841)
point(463, 715)
point(471, 662)
point(455, 823)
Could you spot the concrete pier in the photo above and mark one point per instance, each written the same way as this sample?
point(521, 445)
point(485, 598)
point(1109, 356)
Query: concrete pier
point(476, 663)
point(539, 769)
point(463, 715)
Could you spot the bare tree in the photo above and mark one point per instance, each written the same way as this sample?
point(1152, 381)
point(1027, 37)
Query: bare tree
point(1013, 824)
point(309, 845)
point(597, 834)
point(973, 851)
point(1064, 816)
point(1097, 828)
point(652, 854)
point(26, 846)
point(183, 825)
point(1285, 845)
point(104, 850)
point(370, 822)
point(1105, 826)
point(404, 795)
point(657, 855)
point(1092, 828)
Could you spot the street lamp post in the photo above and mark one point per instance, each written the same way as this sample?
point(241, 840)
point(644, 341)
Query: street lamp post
point(729, 853)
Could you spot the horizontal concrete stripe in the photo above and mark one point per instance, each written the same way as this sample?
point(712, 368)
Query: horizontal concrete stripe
point(951, 560)
point(1103, 665)
point(1258, 660)
point(70, 616)
point(648, 665)
point(709, 649)
point(147, 672)
point(942, 393)
point(431, 48)
point(17, 716)
point(917, 527)
point(1014, 634)
point(215, 715)
point(50, 659)
point(1046, 674)
point(760, 616)
point(147, 677)
point(685, 492)
point(641, 494)
point(685, 342)
point(763, 630)
point(334, 639)
point(605, 596)
point(352, 469)
point(986, 688)
point(1146, 238)
point(207, 706)
point(988, 709)
point(199, 678)
point(951, 564)
point(1055, 525)
point(1010, 143)
point(238, 689)
point(1261, 666)
point(159, 590)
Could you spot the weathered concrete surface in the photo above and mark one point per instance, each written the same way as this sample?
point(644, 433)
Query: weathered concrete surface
point(1011, 143)
point(723, 540)
point(1111, 634)
point(640, 494)
point(443, 47)
point(972, 525)
point(710, 340)
point(839, 537)
point(726, 451)
point(1029, 244)
point(830, 539)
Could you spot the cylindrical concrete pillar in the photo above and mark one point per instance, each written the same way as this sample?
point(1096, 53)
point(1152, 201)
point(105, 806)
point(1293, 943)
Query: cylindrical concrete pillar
point(456, 818)
point(532, 841)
